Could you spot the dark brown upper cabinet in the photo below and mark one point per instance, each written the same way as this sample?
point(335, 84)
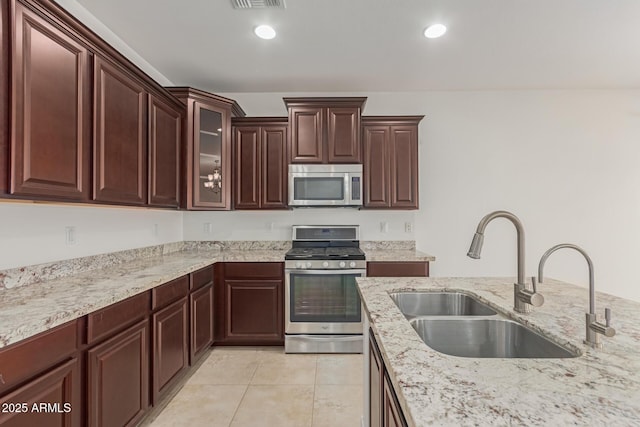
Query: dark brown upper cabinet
point(260, 163)
point(207, 152)
point(325, 130)
point(50, 109)
point(5, 121)
point(390, 145)
point(78, 121)
point(165, 136)
point(120, 136)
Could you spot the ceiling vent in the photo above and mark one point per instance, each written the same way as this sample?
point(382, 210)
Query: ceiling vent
point(258, 4)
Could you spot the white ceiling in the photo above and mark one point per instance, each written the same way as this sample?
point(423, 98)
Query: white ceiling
point(377, 45)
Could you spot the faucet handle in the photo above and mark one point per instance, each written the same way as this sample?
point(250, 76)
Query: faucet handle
point(529, 297)
point(534, 282)
point(606, 329)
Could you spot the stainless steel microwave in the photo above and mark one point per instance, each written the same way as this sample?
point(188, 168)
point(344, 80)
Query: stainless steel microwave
point(325, 185)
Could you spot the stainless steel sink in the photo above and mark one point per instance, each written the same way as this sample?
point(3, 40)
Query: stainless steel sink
point(414, 304)
point(482, 337)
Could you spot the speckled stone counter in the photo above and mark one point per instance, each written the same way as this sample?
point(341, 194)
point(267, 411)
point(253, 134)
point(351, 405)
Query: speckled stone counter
point(398, 255)
point(394, 250)
point(598, 388)
point(36, 298)
point(28, 310)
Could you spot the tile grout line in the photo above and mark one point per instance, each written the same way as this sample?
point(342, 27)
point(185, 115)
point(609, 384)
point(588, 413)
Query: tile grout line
point(245, 391)
point(238, 407)
point(315, 385)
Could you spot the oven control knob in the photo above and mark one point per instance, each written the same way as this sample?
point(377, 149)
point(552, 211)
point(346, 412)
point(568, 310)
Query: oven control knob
point(342, 264)
point(299, 265)
point(352, 264)
point(308, 265)
point(325, 264)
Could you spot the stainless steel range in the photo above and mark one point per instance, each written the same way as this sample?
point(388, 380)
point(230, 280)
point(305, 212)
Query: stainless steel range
point(322, 306)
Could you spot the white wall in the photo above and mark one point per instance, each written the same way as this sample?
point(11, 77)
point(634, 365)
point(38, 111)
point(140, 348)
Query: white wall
point(565, 162)
point(276, 225)
point(35, 233)
point(83, 15)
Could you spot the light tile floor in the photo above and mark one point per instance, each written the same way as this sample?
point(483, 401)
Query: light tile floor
point(262, 386)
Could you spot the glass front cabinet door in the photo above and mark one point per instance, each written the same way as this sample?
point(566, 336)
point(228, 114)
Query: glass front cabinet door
point(207, 151)
point(211, 175)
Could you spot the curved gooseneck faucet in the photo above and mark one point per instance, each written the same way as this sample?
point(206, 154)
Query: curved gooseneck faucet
point(478, 238)
point(594, 328)
point(543, 260)
point(523, 297)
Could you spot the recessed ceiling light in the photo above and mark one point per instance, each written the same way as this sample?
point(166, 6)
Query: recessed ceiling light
point(435, 31)
point(265, 32)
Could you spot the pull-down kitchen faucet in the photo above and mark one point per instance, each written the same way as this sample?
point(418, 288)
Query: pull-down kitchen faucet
point(523, 297)
point(594, 328)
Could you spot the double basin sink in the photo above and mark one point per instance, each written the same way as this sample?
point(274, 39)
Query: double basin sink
point(458, 324)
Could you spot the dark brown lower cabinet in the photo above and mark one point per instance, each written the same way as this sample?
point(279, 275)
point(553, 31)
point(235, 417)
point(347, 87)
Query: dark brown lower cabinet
point(398, 269)
point(250, 304)
point(392, 414)
point(201, 302)
point(384, 409)
point(170, 344)
point(253, 310)
point(376, 374)
point(118, 378)
point(45, 371)
point(52, 399)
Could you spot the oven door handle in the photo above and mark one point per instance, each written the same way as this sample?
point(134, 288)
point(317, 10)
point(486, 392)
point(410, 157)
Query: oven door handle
point(351, 337)
point(362, 271)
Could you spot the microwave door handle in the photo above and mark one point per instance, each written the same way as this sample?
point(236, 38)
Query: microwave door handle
point(347, 193)
point(352, 201)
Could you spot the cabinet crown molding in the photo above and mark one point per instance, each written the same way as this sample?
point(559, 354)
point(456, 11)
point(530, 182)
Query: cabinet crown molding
point(183, 92)
point(405, 120)
point(337, 101)
point(259, 120)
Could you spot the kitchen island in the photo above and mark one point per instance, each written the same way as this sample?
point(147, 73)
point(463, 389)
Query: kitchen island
point(600, 387)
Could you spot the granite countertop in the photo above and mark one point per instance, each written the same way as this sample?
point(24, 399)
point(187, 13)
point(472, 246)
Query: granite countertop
point(36, 298)
point(600, 387)
point(29, 310)
point(398, 255)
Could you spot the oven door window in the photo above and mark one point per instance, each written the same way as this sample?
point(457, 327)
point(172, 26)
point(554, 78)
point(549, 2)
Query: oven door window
point(311, 188)
point(329, 298)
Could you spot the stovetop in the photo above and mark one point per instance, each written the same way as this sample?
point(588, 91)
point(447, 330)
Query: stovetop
point(324, 253)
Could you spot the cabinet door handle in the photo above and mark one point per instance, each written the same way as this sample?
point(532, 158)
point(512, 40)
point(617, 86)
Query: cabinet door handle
point(2, 379)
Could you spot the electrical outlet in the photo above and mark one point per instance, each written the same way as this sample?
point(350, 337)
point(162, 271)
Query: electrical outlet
point(270, 226)
point(384, 226)
point(408, 227)
point(207, 228)
point(70, 235)
point(155, 230)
